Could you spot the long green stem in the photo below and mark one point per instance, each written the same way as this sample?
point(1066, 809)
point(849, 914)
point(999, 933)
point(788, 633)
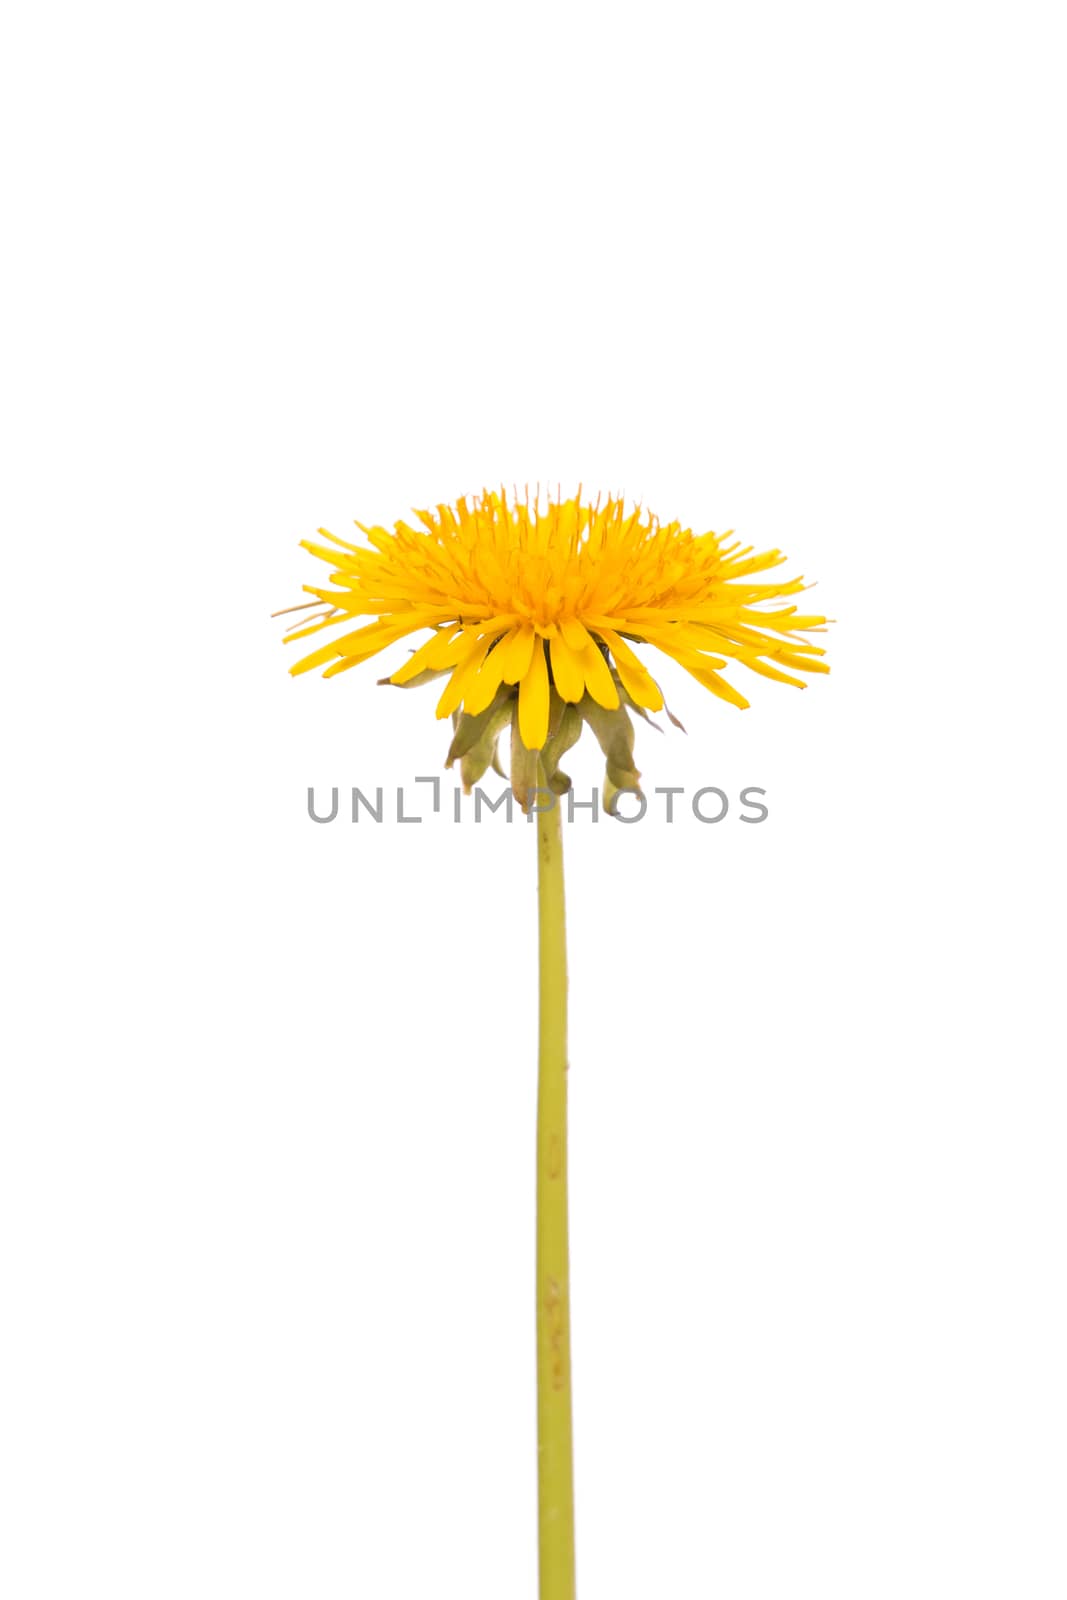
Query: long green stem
point(555, 1460)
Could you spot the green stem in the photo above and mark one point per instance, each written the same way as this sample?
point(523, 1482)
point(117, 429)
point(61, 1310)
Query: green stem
point(555, 1468)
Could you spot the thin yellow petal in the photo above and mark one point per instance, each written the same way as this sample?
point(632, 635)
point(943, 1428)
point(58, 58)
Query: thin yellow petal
point(704, 673)
point(368, 641)
point(443, 650)
point(533, 700)
point(518, 653)
point(317, 658)
point(575, 634)
point(357, 646)
point(636, 678)
point(472, 658)
point(485, 683)
point(567, 670)
point(343, 664)
point(724, 689)
point(754, 664)
point(598, 679)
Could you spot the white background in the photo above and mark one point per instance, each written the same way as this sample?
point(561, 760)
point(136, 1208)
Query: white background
point(269, 1092)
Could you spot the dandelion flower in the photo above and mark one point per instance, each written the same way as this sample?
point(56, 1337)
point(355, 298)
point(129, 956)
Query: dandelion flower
point(533, 613)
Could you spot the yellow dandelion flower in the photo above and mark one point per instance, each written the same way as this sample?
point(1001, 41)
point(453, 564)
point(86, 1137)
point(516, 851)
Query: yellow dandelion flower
point(533, 614)
point(533, 609)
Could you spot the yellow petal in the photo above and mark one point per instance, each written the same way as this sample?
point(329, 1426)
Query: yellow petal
point(443, 650)
point(484, 685)
point(468, 664)
point(721, 687)
point(574, 634)
point(754, 664)
point(636, 678)
point(368, 641)
point(598, 679)
point(518, 653)
point(357, 646)
point(704, 673)
point(533, 701)
point(342, 664)
point(317, 658)
point(671, 640)
point(567, 671)
point(803, 663)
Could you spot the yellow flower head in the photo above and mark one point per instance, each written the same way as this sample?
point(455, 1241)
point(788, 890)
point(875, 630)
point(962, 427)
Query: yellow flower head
point(535, 609)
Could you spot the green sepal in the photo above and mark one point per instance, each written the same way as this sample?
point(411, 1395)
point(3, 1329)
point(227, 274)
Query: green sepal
point(564, 731)
point(420, 678)
point(615, 734)
point(629, 701)
point(474, 741)
point(523, 764)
